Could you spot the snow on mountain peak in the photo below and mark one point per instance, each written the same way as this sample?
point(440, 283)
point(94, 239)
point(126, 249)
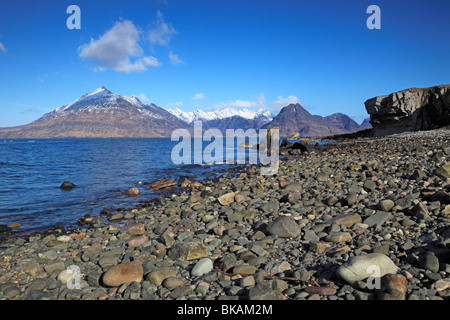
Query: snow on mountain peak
point(198, 114)
point(102, 98)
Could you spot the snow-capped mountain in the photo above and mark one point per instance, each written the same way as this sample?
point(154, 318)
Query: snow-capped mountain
point(226, 118)
point(201, 115)
point(101, 113)
point(102, 98)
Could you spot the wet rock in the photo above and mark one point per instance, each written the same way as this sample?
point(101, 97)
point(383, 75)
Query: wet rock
point(67, 185)
point(162, 183)
point(132, 192)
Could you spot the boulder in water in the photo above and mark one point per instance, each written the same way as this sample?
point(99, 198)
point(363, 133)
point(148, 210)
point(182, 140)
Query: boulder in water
point(67, 185)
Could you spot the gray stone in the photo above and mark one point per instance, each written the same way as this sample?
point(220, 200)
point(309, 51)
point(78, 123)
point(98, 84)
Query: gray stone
point(261, 292)
point(430, 262)
point(284, 227)
point(203, 266)
point(361, 267)
point(378, 218)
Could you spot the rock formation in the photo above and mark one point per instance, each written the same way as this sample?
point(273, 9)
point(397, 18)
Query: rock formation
point(410, 110)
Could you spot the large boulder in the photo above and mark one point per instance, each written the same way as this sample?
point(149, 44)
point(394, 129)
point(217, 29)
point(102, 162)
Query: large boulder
point(410, 110)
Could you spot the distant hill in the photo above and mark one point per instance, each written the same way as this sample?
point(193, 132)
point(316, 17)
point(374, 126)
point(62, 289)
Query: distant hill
point(294, 118)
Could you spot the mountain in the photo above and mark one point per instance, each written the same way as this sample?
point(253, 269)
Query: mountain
point(366, 124)
point(201, 115)
point(100, 113)
point(226, 118)
point(294, 118)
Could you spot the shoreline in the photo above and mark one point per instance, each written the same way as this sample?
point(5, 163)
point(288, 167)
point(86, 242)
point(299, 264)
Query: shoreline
point(233, 227)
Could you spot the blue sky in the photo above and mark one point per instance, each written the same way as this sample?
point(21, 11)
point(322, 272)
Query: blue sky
point(215, 54)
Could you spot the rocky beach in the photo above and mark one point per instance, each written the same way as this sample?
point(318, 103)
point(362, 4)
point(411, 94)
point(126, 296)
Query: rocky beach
point(356, 219)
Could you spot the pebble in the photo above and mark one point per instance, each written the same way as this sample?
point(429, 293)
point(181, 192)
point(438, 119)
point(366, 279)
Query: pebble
point(158, 276)
point(202, 267)
point(361, 267)
point(125, 272)
point(349, 205)
point(284, 227)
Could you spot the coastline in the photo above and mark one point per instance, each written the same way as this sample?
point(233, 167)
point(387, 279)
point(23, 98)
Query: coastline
point(231, 225)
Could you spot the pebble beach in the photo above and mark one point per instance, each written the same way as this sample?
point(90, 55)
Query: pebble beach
point(355, 219)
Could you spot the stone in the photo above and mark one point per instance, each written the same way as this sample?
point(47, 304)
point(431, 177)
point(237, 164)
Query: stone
point(369, 185)
point(444, 171)
point(338, 237)
point(321, 291)
point(284, 227)
point(393, 287)
point(332, 200)
point(33, 268)
point(51, 267)
point(261, 292)
point(126, 272)
point(347, 220)
point(188, 250)
point(136, 242)
point(351, 199)
point(247, 281)
point(131, 230)
point(244, 269)
point(358, 268)
point(158, 276)
point(67, 185)
point(386, 205)
point(15, 225)
point(378, 218)
point(64, 238)
point(226, 199)
point(162, 183)
point(132, 192)
point(441, 285)
point(202, 267)
point(173, 282)
point(429, 262)
point(274, 267)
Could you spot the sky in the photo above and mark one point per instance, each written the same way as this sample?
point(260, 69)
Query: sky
point(215, 54)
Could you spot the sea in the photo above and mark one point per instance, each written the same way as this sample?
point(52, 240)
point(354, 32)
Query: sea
point(32, 171)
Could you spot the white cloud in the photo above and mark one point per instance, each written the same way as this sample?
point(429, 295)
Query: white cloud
point(162, 31)
point(174, 59)
point(198, 96)
point(281, 102)
point(143, 97)
point(259, 103)
point(2, 47)
point(115, 48)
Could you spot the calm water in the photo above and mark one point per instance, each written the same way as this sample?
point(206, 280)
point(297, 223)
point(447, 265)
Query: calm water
point(32, 171)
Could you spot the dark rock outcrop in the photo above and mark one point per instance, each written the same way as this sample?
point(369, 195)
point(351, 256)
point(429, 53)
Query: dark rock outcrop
point(410, 110)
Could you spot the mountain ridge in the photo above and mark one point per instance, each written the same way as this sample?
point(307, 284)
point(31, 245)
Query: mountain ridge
point(102, 113)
